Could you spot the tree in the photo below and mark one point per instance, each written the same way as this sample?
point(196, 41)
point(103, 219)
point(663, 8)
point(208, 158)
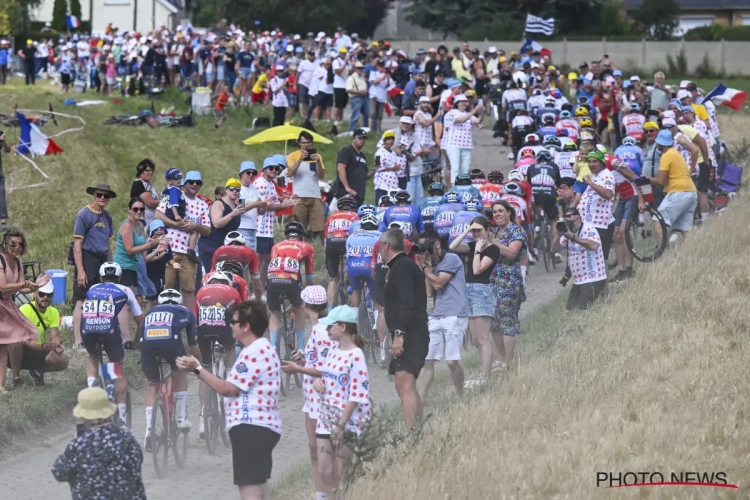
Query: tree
point(75, 8)
point(375, 11)
point(658, 18)
point(59, 13)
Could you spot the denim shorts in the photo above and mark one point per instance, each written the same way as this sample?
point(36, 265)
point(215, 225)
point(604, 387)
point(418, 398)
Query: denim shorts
point(246, 73)
point(481, 300)
point(625, 209)
point(250, 238)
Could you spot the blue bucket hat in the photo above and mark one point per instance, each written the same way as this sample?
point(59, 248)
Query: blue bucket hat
point(269, 162)
point(617, 72)
point(247, 165)
point(665, 138)
point(155, 224)
point(280, 160)
point(193, 175)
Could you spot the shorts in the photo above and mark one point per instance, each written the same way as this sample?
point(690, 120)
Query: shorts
point(583, 295)
point(446, 334)
point(341, 98)
point(218, 113)
point(111, 345)
point(355, 279)
point(170, 350)
point(706, 177)
point(206, 337)
point(292, 98)
point(258, 98)
point(250, 238)
point(246, 73)
point(32, 359)
point(605, 235)
point(324, 100)
point(265, 244)
point(625, 209)
point(481, 300)
point(252, 450)
point(482, 87)
point(187, 273)
point(65, 78)
point(91, 264)
point(310, 212)
point(378, 281)
point(412, 359)
point(335, 251)
point(376, 109)
point(506, 315)
point(275, 288)
point(110, 81)
point(548, 203)
point(304, 94)
point(678, 209)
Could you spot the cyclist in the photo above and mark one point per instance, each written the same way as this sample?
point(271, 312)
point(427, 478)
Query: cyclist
point(631, 154)
point(462, 220)
point(550, 108)
point(234, 250)
point(514, 194)
point(548, 127)
point(565, 160)
point(405, 213)
point(162, 334)
point(587, 131)
point(464, 188)
point(478, 179)
point(429, 205)
point(514, 101)
point(632, 123)
point(531, 144)
point(544, 178)
point(536, 101)
point(552, 144)
point(334, 238)
point(567, 122)
point(234, 271)
point(362, 210)
point(285, 276)
point(492, 190)
point(213, 313)
point(100, 324)
point(383, 204)
point(445, 213)
point(521, 125)
point(359, 247)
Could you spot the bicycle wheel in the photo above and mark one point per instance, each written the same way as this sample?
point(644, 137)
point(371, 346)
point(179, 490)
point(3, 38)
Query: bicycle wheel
point(128, 409)
point(280, 349)
point(548, 244)
point(220, 369)
point(210, 415)
point(160, 437)
point(542, 245)
point(388, 356)
point(179, 443)
point(646, 235)
point(364, 324)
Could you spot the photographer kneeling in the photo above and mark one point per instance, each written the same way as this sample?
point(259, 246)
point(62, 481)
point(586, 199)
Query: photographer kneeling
point(585, 260)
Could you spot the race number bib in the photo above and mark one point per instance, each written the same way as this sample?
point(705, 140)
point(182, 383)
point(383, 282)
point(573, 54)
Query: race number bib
point(429, 211)
point(490, 196)
point(445, 218)
point(212, 316)
point(406, 227)
point(339, 225)
point(98, 308)
point(457, 230)
point(286, 264)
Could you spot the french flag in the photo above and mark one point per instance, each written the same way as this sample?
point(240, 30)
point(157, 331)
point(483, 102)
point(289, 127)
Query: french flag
point(535, 46)
point(111, 371)
point(73, 22)
point(33, 141)
point(725, 96)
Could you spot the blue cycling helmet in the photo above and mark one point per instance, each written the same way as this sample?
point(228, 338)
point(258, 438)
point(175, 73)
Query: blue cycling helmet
point(565, 114)
point(473, 204)
point(463, 180)
point(451, 197)
point(543, 154)
point(436, 187)
point(366, 209)
point(634, 107)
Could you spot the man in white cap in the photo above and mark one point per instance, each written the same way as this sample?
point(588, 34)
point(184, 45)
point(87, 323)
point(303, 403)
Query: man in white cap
point(47, 354)
point(410, 153)
point(493, 65)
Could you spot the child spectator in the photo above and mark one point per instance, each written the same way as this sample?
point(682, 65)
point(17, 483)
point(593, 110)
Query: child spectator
point(219, 112)
point(175, 201)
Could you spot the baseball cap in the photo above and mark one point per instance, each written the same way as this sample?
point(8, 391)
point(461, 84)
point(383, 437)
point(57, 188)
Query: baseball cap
point(635, 78)
point(691, 86)
point(343, 50)
point(668, 122)
point(193, 175)
point(492, 50)
point(617, 72)
point(315, 295)
point(584, 64)
point(233, 183)
point(173, 173)
point(424, 98)
point(359, 64)
point(299, 50)
point(459, 98)
point(682, 94)
point(279, 67)
point(340, 314)
point(406, 119)
point(360, 132)
point(684, 84)
point(650, 125)
point(665, 138)
point(48, 288)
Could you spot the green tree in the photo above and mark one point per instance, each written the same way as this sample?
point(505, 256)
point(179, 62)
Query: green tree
point(16, 12)
point(658, 18)
point(75, 9)
point(59, 12)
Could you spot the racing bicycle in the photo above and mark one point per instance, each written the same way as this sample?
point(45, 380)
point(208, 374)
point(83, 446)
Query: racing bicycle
point(214, 417)
point(366, 322)
point(109, 385)
point(165, 434)
point(285, 346)
point(543, 240)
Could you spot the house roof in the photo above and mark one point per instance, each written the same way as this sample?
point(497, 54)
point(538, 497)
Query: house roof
point(698, 4)
point(168, 5)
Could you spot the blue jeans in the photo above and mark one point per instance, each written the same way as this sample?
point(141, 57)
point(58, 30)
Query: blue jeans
point(250, 239)
point(360, 106)
point(414, 186)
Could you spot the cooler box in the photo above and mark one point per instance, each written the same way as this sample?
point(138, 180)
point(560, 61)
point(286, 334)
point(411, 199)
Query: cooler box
point(201, 101)
point(60, 282)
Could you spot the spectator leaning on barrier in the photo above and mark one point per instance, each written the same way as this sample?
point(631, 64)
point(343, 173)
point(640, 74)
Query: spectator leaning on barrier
point(92, 230)
point(585, 259)
point(305, 169)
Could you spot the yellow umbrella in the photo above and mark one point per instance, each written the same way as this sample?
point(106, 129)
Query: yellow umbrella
point(284, 133)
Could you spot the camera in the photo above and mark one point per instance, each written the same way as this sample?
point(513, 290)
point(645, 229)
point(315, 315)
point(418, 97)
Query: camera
point(562, 227)
point(423, 247)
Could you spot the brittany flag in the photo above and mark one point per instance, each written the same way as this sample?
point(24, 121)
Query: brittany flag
point(725, 96)
point(33, 141)
point(73, 22)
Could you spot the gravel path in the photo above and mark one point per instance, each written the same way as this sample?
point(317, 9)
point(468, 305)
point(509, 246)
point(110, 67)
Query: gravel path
point(26, 477)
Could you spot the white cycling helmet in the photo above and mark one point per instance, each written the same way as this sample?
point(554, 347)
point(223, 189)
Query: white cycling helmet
point(515, 175)
point(110, 270)
point(397, 224)
point(629, 141)
point(170, 296)
point(370, 219)
point(234, 237)
point(220, 277)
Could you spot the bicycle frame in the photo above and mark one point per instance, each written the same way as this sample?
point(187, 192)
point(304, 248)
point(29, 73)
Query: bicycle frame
point(166, 392)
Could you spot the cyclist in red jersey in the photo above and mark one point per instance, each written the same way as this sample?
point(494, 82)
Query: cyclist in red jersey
point(233, 271)
point(334, 241)
point(285, 277)
point(234, 250)
point(491, 191)
point(213, 313)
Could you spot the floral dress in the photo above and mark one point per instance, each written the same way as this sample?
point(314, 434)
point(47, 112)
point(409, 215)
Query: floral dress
point(506, 282)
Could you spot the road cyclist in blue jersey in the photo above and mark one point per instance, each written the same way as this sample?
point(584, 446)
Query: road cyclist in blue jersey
point(99, 324)
point(465, 188)
point(428, 206)
point(359, 250)
point(406, 213)
point(462, 220)
point(361, 211)
point(631, 154)
point(445, 213)
point(161, 334)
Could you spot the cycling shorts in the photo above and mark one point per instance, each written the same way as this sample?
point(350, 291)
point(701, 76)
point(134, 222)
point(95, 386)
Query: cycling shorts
point(170, 350)
point(111, 345)
point(548, 203)
point(289, 287)
point(355, 279)
point(335, 251)
point(206, 337)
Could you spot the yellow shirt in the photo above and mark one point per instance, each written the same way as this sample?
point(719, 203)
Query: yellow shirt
point(260, 84)
point(679, 173)
point(295, 155)
point(51, 318)
point(700, 112)
point(459, 70)
point(691, 132)
point(582, 169)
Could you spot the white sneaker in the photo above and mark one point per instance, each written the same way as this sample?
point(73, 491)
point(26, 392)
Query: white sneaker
point(532, 260)
point(510, 155)
point(184, 424)
point(201, 428)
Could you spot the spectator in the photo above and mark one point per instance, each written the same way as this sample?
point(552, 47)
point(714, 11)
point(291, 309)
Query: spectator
point(47, 354)
point(585, 259)
point(132, 241)
point(249, 194)
point(305, 71)
point(143, 189)
point(660, 95)
point(405, 308)
point(92, 230)
point(15, 329)
point(4, 146)
point(651, 159)
point(5, 59)
point(351, 167)
point(278, 95)
point(457, 140)
point(411, 148)
point(445, 282)
point(340, 66)
point(157, 260)
point(197, 219)
point(28, 54)
point(379, 81)
point(681, 198)
point(356, 86)
point(306, 170)
point(225, 217)
point(105, 461)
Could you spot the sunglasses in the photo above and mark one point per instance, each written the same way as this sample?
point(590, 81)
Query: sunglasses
point(275, 169)
point(194, 183)
point(233, 189)
point(42, 295)
point(251, 173)
point(15, 244)
point(105, 196)
point(138, 209)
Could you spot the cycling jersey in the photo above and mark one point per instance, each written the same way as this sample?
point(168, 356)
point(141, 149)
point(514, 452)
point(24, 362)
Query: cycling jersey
point(213, 305)
point(527, 196)
point(466, 192)
point(632, 157)
point(287, 258)
point(547, 111)
point(428, 207)
point(477, 183)
point(514, 99)
point(544, 178)
point(380, 213)
point(103, 303)
point(409, 217)
point(526, 151)
point(444, 218)
point(164, 324)
point(624, 188)
point(520, 121)
point(535, 102)
point(521, 207)
point(238, 283)
point(633, 125)
point(337, 226)
point(359, 249)
point(241, 254)
point(489, 193)
point(547, 130)
point(571, 126)
point(461, 222)
point(564, 161)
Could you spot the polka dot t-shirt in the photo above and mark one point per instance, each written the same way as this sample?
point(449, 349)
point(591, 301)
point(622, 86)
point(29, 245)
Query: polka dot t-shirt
point(386, 180)
point(257, 374)
point(594, 209)
point(316, 351)
point(460, 133)
point(196, 210)
point(266, 221)
point(586, 265)
point(346, 379)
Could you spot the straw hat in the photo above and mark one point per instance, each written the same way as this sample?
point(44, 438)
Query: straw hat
point(93, 404)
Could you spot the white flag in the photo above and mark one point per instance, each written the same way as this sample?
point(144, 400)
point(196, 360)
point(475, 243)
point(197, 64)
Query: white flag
point(536, 24)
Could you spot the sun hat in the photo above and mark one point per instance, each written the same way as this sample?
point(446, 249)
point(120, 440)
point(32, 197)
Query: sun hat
point(668, 122)
point(93, 404)
point(665, 138)
point(314, 294)
point(193, 175)
point(172, 173)
point(48, 288)
point(406, 119)
point(492, 50)
point(687, 108)
point(459, 98)
point(269, 162)
point(247, 165)
point(101, 187)
point(424, 98)
point(340, 314)
point(233, 183)
point(155, 225)
point(682, 94)
point(596, 154)
point(280, 160)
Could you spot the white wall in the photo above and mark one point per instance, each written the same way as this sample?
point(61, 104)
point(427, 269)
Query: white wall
point(44, 11)
point(117, 12)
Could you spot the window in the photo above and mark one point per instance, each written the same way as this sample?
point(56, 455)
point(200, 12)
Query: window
point(689, 22)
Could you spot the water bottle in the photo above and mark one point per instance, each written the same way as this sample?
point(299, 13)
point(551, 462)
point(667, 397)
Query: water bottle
point(111, 392)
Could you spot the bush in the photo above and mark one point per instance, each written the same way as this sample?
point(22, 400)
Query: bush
point(716, 32)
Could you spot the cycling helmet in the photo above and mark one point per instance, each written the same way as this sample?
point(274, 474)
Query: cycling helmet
point(451, 197)
point(397, 224)
point(295, 229)
point(110, 270)
point(570, 147)
point(602, 148)
point(583, 100)
point(543, 154)
point(555, 93)
point(563, 132)
point(565, 114)
point(523, 111)
point(515, 176)
point(369, 219)
point(385, 201)
point(629, 141)
point(346, 203)
point(229, 267)
point(550, 101)
point(170, 296)
point(531, 139)
point(567, 107)
point(477, 174)
point(548, 118)
point(505, 75)
point(537, 92)
point(234, 237)
point(512, 188)
point(402, 196)
point(528, 153)
point(634, 107)
point(551, 140)
point(463, 180)
point(581, 111)
point(436, 187)
point(495, 177)
point(218, 277)
point(586, 122)
point(473, 204)
point(366, 209)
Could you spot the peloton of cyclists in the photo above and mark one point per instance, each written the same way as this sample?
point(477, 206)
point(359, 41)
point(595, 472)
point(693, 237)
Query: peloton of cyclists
point(406, 213)
point(336, 232)
point(430, 204)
